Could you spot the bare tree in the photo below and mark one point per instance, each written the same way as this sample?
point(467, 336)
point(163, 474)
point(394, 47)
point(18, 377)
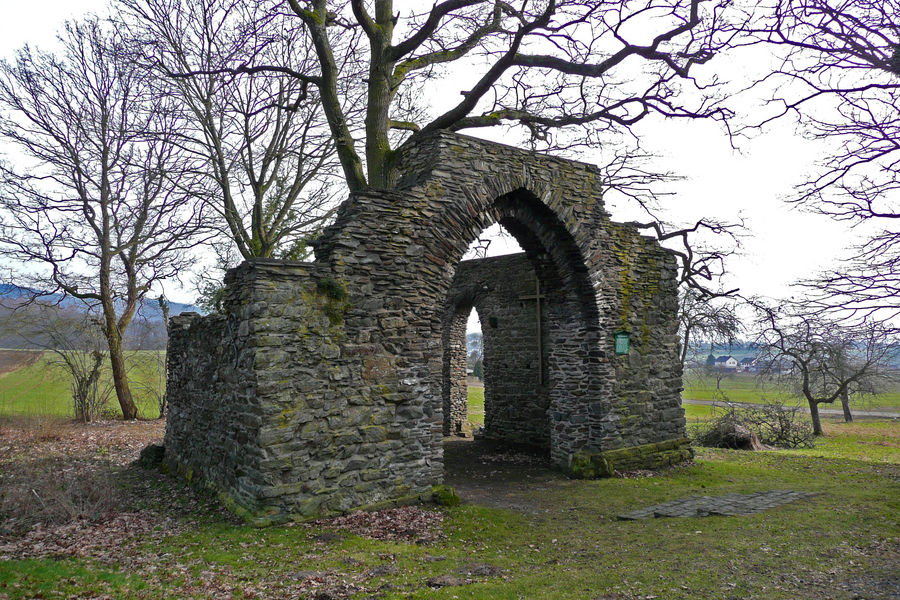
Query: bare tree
point(268, 153)
point(99, 206)
point(827, 361)
point(561, 70)
point(840, 77)
point(706, 320)
point(74, 337)
point(701, 265)
point(566, 74)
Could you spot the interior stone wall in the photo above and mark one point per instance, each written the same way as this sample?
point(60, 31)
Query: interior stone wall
point(516, 385)
point(320, 388)
point(456, 393)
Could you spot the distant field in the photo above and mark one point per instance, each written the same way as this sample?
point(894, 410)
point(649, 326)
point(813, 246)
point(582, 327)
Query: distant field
point(476, 406)
point(746, 387)
point(10, 360)
point(37, 385)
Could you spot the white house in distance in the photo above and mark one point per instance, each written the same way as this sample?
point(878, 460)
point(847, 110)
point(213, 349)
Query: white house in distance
point(747, 364)
point(726, 362)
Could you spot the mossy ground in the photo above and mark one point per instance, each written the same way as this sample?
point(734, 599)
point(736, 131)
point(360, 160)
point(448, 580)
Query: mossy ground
point(531, 532)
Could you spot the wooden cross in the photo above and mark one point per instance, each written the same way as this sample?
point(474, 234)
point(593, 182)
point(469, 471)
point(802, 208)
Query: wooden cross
point(537, 296)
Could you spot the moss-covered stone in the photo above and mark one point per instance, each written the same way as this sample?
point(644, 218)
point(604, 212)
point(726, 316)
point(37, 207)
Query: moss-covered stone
point(444, 495)
point(586, 464)
point(152, 457)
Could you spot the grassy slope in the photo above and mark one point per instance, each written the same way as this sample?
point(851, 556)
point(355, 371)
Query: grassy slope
point(43, 388)
point(476, 405)
point(570, 546)
point(744, 387)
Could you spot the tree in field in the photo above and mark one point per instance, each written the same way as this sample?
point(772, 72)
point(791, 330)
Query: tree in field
point(828, 361)
point(840, 77)
point(73, 337)
point(705, 320)
point(267, 151)
point(99, 206)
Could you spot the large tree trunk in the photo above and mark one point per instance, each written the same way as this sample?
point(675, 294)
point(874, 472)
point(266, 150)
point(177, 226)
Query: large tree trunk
point(684, 346)
point(120, 377)
point(816, 422)
point(378, 101)
point(845, 404)
point(113, 334)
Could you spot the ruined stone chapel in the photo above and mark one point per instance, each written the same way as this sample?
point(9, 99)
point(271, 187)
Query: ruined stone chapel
point(329, 385)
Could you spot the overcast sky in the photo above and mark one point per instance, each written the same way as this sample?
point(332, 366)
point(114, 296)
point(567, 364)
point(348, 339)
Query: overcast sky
point(783, 244)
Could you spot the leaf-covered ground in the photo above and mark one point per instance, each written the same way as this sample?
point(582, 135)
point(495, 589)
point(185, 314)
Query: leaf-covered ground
point(78, 519)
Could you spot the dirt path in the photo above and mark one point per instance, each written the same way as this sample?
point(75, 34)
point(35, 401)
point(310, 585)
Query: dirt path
point(484, 473)
point(12, 360)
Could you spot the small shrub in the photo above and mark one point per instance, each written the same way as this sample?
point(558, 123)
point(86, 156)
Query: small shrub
point(728, 430)
point(89, 396)
point(772, 424)
point(332, 288)
point(336, 296)
point(779, 425)
point(48, 495)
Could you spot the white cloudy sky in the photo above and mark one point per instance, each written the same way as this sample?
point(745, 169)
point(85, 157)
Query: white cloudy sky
point(783, 244)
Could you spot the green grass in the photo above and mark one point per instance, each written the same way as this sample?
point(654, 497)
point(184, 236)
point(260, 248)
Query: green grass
point(871, 441)
point(567, 545)
point(475, 406)
point(746, 387)
point(698, 412)
point(40, 389)
point(43, 389)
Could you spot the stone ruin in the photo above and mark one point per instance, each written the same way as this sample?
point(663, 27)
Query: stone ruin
point(327, 386)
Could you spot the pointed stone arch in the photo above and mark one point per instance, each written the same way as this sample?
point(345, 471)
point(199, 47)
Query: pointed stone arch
point(328, 376)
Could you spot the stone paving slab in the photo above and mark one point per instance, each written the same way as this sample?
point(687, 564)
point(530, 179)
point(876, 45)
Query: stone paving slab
point(725, 506)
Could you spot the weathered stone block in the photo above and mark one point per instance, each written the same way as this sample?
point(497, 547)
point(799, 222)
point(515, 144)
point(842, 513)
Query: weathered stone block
point(588, 464)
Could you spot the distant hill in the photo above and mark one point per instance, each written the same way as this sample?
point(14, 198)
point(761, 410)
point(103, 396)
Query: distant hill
point(149, 307)
point(147, 330)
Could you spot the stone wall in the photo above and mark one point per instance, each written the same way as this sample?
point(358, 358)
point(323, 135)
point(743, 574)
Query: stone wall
point(648, 380)
point(516, 390)
point(299, 400)
point(299, 423)
point(455, 390)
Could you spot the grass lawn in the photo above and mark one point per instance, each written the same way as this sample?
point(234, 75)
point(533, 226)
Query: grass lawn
point(78, 520)
point(563, 541)
point(475, 404)
point(745, 387)
point(42, 388)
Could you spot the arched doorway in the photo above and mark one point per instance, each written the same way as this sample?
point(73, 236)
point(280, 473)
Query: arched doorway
point(538, 313)
point(320, 388)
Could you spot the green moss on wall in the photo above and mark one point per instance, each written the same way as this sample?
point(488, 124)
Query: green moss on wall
point(332, 299)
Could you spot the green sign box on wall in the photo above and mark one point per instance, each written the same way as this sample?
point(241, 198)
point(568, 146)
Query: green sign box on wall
point(623, 342)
